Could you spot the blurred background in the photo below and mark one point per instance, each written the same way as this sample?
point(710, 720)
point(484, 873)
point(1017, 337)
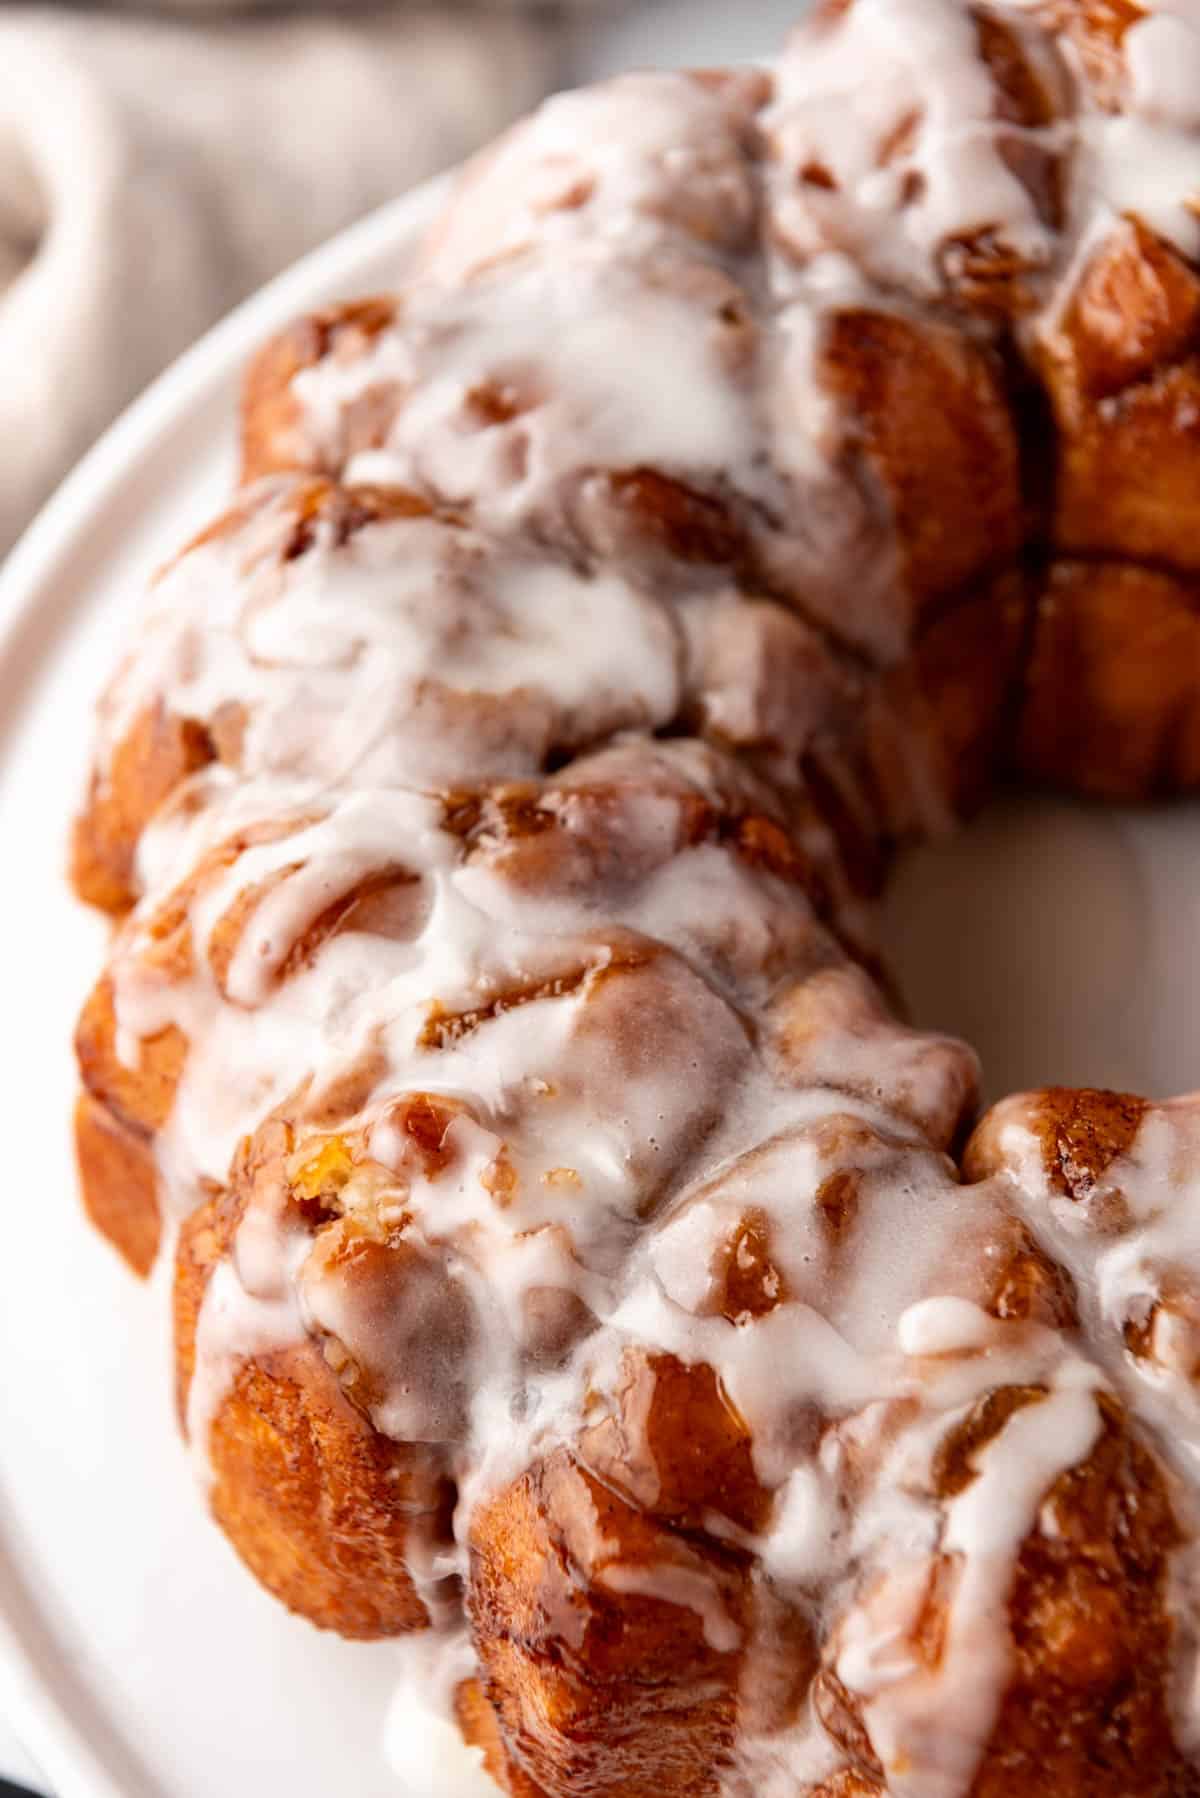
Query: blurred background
point(159, 162)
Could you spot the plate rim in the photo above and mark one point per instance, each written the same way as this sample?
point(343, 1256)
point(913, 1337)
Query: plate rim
point(58, 1745)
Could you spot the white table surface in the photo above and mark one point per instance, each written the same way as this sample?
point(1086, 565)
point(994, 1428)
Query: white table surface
point(663, 33)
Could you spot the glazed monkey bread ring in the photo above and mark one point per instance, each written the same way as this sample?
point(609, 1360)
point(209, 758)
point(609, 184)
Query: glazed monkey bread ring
point(580, 1270)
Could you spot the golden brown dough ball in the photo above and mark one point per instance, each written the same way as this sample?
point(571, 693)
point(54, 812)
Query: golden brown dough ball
point(601, 1681)
point(323, 1509)
point(1111, 703)
point(1087, 1705)
point(273, 439)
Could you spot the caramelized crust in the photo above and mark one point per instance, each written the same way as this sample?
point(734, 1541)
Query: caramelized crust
point(272, 436)
point(1112, 691)
point(1085, 1708)
point(118, 1182)
point(481, 1729)
point(1086, 1712)
point(320, 1508)
point(926, 410)
point(1096, 31)
point(1127, 473)
point(1079, 1133)
point(600, 1686)
point(146, 767)
point(675, 1446)
point(1029, 1285)
point(1134, 308)
point(957, 692)
point(139, 1095)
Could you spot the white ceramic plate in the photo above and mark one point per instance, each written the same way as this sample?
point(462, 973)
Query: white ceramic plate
point(137, 1659)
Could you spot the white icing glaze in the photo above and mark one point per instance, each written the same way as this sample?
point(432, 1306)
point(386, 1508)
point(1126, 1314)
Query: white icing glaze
point(422, 1741)
point(399, 655)
point(622, 161)
point(251, 1307)
point(1133, 1251)
point(894, 104)
point(679, 1586)
point(923, 1749)
point(552, 334)
point(1162, 54)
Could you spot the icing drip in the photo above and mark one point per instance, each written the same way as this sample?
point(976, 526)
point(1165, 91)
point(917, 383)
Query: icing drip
point(887, 148)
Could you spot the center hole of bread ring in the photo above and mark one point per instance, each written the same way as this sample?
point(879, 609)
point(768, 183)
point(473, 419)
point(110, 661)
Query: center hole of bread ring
point(1060, 940)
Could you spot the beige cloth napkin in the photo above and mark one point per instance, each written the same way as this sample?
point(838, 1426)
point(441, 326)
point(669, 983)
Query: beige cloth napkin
point(153, 172)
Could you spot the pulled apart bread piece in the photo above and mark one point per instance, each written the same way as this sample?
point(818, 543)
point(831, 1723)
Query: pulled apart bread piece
point(581, 1270)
